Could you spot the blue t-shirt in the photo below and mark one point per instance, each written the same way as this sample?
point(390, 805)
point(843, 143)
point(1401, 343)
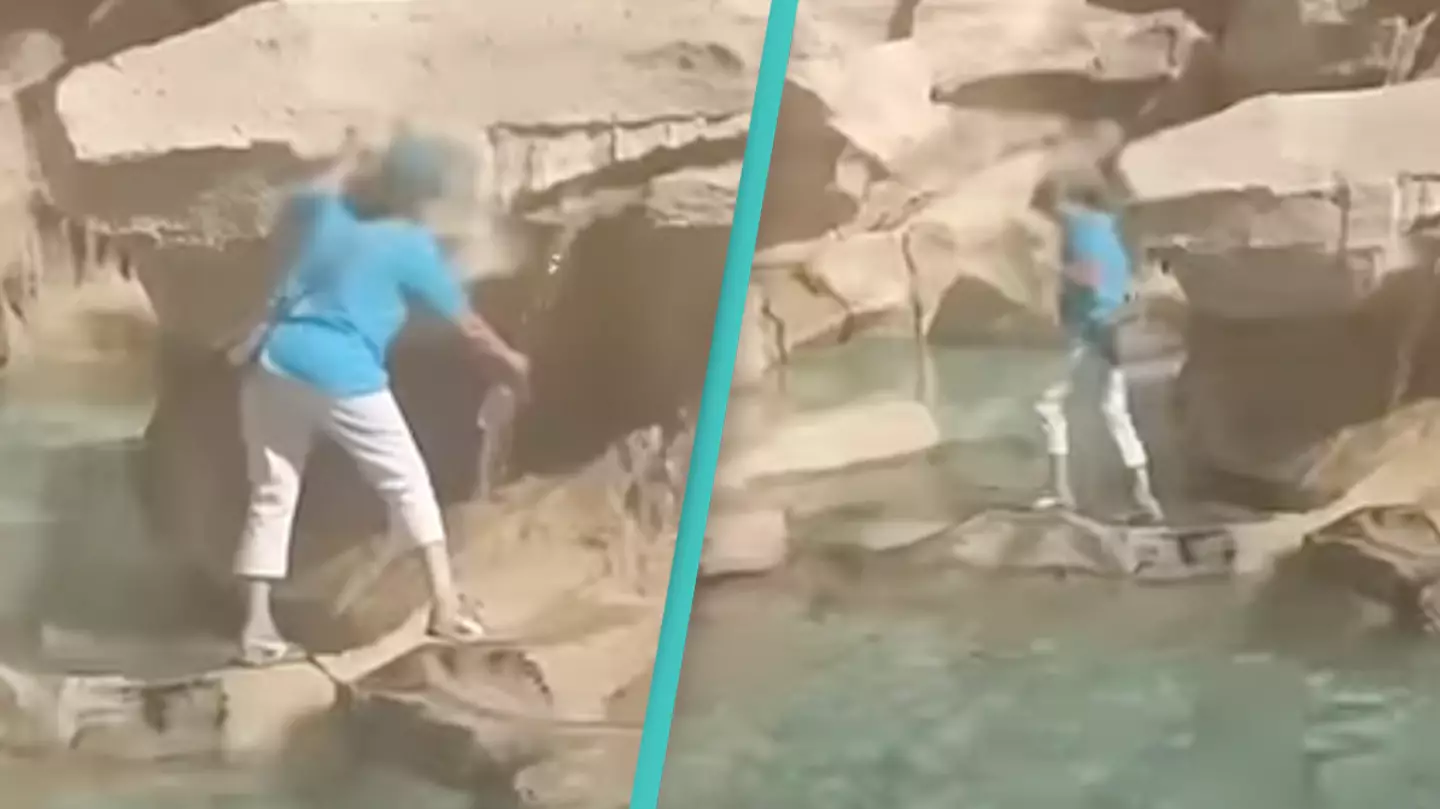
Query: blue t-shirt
point(353, 280)
point(1092, 241)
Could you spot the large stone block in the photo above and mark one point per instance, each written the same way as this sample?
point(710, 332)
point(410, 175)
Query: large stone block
point(1328, 45)
point(608, 91)
point(1295, 205)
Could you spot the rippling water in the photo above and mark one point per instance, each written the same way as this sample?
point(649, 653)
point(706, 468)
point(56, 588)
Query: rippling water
point(926, 687)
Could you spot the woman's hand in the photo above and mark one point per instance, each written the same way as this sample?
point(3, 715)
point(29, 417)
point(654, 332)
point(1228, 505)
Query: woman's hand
point(519, 367)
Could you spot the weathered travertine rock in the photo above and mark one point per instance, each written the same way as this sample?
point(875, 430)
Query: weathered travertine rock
point(299, 73)
point(878, 98)
point(460, 717)
point(861, 144)
point(984, 266)
point(695, 197)
point(1377, 566)
point(809, 443)
point(1061, 543)
point(226, 715)
point(1287, 206)
point(1300, 409)
point(1327, 45)
point(876, 159)
point(744, 543)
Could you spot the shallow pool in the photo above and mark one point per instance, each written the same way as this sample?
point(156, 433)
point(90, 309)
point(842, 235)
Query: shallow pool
point(918, 685)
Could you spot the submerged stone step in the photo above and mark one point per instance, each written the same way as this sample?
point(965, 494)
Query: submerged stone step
point(1063, 542)
point(224, 715)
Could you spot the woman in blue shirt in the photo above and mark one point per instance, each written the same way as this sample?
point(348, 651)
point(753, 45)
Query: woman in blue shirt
point(1095, 284)
point(357, 260)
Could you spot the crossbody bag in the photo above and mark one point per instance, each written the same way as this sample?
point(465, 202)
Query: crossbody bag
point(247, 350)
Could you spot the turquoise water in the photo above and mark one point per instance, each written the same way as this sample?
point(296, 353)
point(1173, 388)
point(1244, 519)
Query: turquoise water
point(912, 684)
point(1041, 695)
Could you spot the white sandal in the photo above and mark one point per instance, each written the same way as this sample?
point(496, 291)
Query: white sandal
point(257, 654)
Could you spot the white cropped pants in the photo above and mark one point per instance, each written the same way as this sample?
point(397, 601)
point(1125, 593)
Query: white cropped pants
point(280, 419)
point(1089, 358)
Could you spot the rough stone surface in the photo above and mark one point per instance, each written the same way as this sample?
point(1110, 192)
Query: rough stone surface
point(878, 98)
point(1289, 205)
point(807, 443)
point(1382, 561)
point(661, 85)
point(743, 543)
point(697, 197)
point(523, 550)
point(981, 263)
point(1328, 45)
point(458, 717)
point(229, 715)
point(1259, 401)
point(1056, 543)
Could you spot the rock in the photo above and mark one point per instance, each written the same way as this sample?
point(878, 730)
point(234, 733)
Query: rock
point(1279, 425)
point(886, 534)
point(695, 197)
point(224, 715)
point(1257, 224)
point(592, 776)
point(850, 435)
point(876, 98)
point(860, 147)
point(532, 545)
point(754, 353)
point(1375, 566)
point(1309, 258)
point(1329, 45)
point(1040, 542)
point(984, 267)
point(464, 718)
point(832, 289)
point(791, 313)
point(1366, 448)
point(744, 543)
point(663, 85)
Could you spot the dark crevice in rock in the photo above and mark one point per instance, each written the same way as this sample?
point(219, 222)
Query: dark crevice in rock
point(801, 201)
point(1072, 94)
point(93, 30)
point(1269, 383)
point(902, 20)
point(598, 375)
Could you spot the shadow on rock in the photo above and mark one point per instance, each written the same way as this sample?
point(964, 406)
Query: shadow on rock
point(1360, 590)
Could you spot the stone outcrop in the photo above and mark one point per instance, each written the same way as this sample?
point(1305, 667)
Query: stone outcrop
point(1257, 220)
point(917, 162)
point(807, 443)
point(1060, 543)
point(744, 543)
point(1328, 45)
point(1379, 565)
point(1309, 256)
point(655, 99)
point(659, 86)
point(234, 716)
